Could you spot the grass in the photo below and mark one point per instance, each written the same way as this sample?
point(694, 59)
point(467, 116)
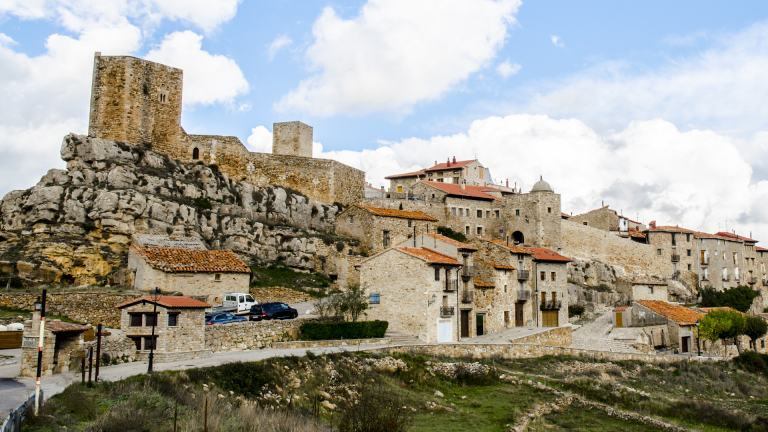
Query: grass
point(580, 418)
point(280, 275)
point(57, 289)
point(6, 312)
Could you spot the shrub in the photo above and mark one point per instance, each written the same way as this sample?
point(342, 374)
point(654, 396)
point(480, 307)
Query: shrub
point(739, 298)
point(343, 330)
point(575, 310)
point(751, 361)
point(445, 231)
point(374, 410)
point(203, 203)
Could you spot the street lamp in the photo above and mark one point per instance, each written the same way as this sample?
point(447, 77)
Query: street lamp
point(40, 306)
point(155, 297)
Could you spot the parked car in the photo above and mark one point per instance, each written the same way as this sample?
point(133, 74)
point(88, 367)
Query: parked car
point(269, 311)
point(240, 302)
point(223, 318)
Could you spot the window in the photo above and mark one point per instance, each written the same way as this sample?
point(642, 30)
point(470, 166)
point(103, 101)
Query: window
point(543, 297)
point(553, 276)
point(466, 229)
point(543, 275)
point(585, 223)
point(497, 214)
point(658, 252)
point(549, 209)
point(467, 212)
point(385, 238)
point(399, 188)
point(453, 211)
point(351, 218)
point(704, 274)
point(150, 320)
point(217, 277)
point(410, 223)
point(674, 240)
point(479, 230)
point(505, 288)
point(517, 212)
point(689, 267)
point(487, 214)
point(173, 319)
point(688, 252)
point(461, 212)
point(437, 273)
point(688, 237)
point(433, 196)
point(650, 290)
point(375, 298)
point(554, 297)
point(735, 257)
point(195, 153)
point(137, 342)
point(480, 213)
point(136, 320)
point(148, 342)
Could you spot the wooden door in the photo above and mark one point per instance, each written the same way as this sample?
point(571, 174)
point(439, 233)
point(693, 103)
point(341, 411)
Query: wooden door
point(619, 320)
point(549, 319)
point(480, 324)
point(519, 314)
point(686, 343)
point(465, 324)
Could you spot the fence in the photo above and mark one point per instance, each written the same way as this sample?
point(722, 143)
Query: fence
point(12, 423)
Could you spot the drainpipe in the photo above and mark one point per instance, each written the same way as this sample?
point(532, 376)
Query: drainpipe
point(458, 316)
point(534, 269)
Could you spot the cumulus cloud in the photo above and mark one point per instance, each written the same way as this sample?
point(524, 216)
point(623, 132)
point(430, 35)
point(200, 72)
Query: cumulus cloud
point(557, 41)
point(260, 140)
point(279, 43)
point(650, 167)
point(507, 69)
point(208, 78)
point(396, 53)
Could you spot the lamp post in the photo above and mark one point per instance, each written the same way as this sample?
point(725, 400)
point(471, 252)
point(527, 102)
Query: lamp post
point(40, 306)
point(155, 297)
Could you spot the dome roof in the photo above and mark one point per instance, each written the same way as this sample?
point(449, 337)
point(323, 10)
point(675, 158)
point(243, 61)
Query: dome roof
point(541, 186)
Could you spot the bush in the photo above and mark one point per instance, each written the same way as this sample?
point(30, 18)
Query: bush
point(575, 310)
point(343, 330)
point(375, 410)
point(445, 231)
point(739, 298)
point(751, 361)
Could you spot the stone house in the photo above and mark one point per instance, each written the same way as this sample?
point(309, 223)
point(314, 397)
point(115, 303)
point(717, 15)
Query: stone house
point(622, 317)
point(550, 276)
point(498, 297)
point(674, 246)
point(721, 261)
point(469, 172)
point(179, 327)
point(607, 219)
point(751, 270)
point(642, 288)
point(667, 325)
point(380, 228)
point(372, 192)
point(209, 273)
point(61, 339)
point(762, 263)
point(417, 291)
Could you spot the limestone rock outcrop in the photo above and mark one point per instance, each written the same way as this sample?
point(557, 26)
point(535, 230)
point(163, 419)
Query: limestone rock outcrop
point(75, 225)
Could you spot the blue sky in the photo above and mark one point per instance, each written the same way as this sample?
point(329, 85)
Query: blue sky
point(654, 107)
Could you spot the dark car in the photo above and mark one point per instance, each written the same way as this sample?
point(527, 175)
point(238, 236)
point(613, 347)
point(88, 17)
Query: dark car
point(223, 318)
point(269, 311)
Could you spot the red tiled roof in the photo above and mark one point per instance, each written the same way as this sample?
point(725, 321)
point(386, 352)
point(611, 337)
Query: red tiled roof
point(679, 314)
point(634, 233)
point(511, 247)
point(429, 256)
point(410, 174)
point(544, 254)
point(64, 327)
point(191, 261)
point(715, 237)
point(565, 215)
point(451, 241)
point(456, 190)
point(736, 237)
point(479, 283)
point(444, 166)
point(402, 214)
point(620, 308)
point(760, 249)
point(167, 301)
point(494, 264)
point(670, 229)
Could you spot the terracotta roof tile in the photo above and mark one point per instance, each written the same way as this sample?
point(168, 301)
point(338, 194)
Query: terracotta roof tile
point(410, 174)
point(456, 190)
point(715, 237)
point(444, 166)
point(451, 241)
point(760, 249)
point(479, 283)
point(670, 229)
point(402, 214)
point(736, 237)
point(620, 308)
point(544, 254)
point(511, 247)
point(429, 256)
point(494, 264)
point(167, 301)
point(64, 327)
point(191, 261)
point(679, 314)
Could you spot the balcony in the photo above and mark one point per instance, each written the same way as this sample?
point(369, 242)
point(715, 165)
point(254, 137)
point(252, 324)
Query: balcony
point(467, 272)
point(765, 282)
point(705, 262)
point(675, 258)
point(467, 296)
point(752, 280)
point(551, 305)
point(726, 278)
point(523, 295)
point(451, 285)
point(523, 274)
point(446, 311)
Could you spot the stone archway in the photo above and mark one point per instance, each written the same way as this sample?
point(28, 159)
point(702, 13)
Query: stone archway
point(196, 154)
point(518, 238)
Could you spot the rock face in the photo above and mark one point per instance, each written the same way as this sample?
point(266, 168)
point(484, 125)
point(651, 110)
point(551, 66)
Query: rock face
point(593, 273)
point(75, 225)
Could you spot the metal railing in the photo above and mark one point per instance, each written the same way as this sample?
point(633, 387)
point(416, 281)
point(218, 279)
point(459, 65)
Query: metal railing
point(446, 311)
point(523, 295)
point(467, 271)
point(550, 305)
point(704, 261)
point(467, 296)
point(523, 274)
point(675, 258)
point(12, 423)
point(726, 278)
point(752, 280)
point(765, 282)
point(451, 285)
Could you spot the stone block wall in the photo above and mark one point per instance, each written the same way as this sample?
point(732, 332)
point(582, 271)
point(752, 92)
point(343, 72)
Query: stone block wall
point(252, 334)
point(557, 285)
point(186, 335)
point(603, 219)
point(359, 223)
point(292, 138)
point(93, 308)
point(558, 336)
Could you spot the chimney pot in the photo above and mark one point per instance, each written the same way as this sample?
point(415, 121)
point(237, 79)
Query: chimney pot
point(454, 159)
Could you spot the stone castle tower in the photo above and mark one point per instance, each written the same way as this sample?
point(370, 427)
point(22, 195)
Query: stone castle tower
point(136, 101)
point(292, 138)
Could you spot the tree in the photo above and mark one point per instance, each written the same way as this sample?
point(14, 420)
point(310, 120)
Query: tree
point(755, 328)
point(739, 298)
point(354, 301)
point(712, 326)
point(736, 329)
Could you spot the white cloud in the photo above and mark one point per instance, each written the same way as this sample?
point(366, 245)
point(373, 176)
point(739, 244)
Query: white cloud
point(696, 179)
point(396, 53)
point(280, 42)
point(260, 140)
point(508, 69)
point(557, 41)
point(208, 78)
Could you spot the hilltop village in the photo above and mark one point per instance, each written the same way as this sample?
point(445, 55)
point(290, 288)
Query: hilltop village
point(444, 254)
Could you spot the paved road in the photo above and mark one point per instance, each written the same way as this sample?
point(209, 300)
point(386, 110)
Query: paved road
point(591, 336)
point(503, 336)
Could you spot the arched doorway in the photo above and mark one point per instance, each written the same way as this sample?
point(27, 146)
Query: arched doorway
point(518, 238)
point(196, 154)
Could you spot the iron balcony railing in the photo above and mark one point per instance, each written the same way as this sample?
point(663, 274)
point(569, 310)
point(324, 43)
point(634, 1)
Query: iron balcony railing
point(467, 271)
point(550, 305)
point(705, 261)
point(451, 285)
point(467, 296)
point(446, 311)
point(752, 280)
point(675, 258)
point(726, 278)
point(765, 282)
point(523, 274)
point(523, 295)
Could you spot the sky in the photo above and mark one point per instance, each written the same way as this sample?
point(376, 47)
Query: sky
point(655, 108)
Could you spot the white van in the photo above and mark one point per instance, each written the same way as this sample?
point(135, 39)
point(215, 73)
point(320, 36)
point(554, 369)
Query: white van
point(240, 302)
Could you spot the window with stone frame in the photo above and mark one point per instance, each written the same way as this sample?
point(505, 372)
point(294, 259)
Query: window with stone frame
point(461, 211)
point(497, 213)
point(689, 252)
point(150, 319)
point(479, 231)
point(137, 341)
point(543, 275)
point(517, 212)
point(467, 212)
point(487, 214)
point(549, 209)
point(137, 319)
point(173, 319)
point(467, 229)
point(410, 223)
point(453, 211)
point(650, 290)
point(437, 273)
point(217, 277)
point(385, 238)
point(658, 252)
point(553, 276)
point(150, 342)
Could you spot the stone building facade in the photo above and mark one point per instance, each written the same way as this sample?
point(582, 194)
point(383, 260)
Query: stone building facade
point(642, 288)
point(550, 276)
point(179, 327)
point(60, 340)
point(380, 228)
point(139, 102)
point(497, 296)
point(667, 325)
point(191, 272)
point(468, 172)
point(607, 219)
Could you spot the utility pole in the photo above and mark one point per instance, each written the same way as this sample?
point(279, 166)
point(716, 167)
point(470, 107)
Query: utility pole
point(40, 352)
point(98, 352)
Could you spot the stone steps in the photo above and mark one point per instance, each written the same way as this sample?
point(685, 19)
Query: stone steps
point(402, 338)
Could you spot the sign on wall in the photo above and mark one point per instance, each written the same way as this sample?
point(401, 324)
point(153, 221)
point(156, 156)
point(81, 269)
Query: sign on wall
point(30, 342)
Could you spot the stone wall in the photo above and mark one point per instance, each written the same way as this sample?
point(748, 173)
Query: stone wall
point(93, 308)
point(186, 335)
point(559, 336)
point(114, 350)
point(252, 334)
point(593, 244)
point(552, 283)
point(603, 219)
point(278, 294)
point(292, 138)
point(358, 223)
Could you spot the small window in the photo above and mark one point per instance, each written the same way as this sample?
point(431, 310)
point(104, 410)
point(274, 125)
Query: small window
point(399, 188)
point(658, 252)
point(150, 320)
point(549, 209)
point(453, 211)
point(148, 342)
point(688, 252)
point(553, 276)
point(467, 229)
point(689, 267)
point(173, 319)
point(517, 212)
point(480, 213)
point(196, 153)
point(433, 196)
point(479, 231)
point(437, 273)
point(505, 288)
point(351, 218)
point(650, 290)
point(687, 237)
point(375, 298)
point(487, 214)
point(543, 275)
point(410, 223)
point(497, 214)
point(137, 342)
point(461, 212)
point(385, 238)
point(136, 320)
point(217, 277)
point(585, 223)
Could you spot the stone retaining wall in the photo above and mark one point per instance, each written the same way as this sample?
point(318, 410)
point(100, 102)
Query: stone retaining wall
point(251, 334)
point(92, 308)
point(558, 336)
point(331, 343)
point(278, 294)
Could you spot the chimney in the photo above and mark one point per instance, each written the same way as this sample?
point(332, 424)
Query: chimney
point(435, 162)
point(652, 224)
point(454, 159)
point(382, 188)
point(449, 162)
point(463, 185)
point(507, 182)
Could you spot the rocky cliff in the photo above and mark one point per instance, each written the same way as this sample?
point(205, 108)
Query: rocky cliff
point(75, 225)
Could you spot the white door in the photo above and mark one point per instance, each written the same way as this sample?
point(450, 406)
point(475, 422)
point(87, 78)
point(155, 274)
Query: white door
point(444, 331)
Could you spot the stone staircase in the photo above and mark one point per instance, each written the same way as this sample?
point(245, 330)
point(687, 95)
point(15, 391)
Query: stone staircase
point(402, 338)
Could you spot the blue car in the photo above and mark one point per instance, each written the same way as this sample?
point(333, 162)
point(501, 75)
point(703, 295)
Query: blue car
point(223, 318)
